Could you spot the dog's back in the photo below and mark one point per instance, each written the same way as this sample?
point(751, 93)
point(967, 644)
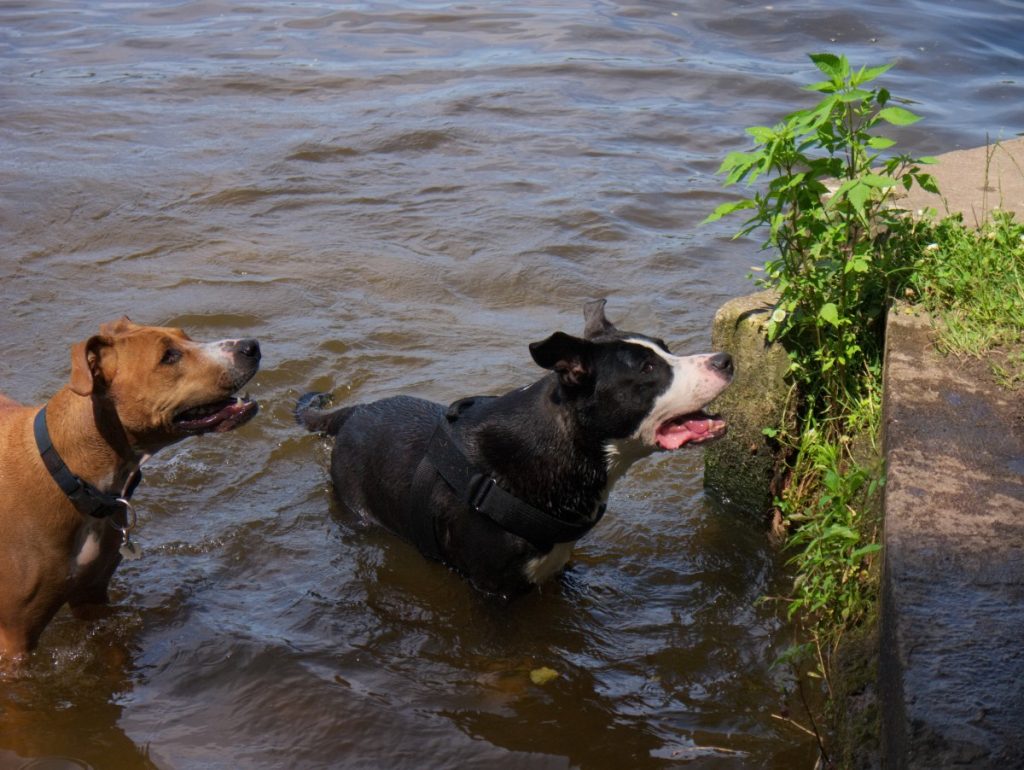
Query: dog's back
point(377, 446)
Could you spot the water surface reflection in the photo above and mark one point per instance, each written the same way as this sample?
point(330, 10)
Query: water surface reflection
point(398, 197)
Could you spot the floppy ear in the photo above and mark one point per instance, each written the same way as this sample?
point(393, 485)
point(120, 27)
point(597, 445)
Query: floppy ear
point(569, 356)
point(85, 364)
point(122, 325)
point(597, 324)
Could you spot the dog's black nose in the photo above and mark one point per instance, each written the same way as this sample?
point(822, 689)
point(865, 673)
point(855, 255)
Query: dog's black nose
point(247, 348)
point(722, 362)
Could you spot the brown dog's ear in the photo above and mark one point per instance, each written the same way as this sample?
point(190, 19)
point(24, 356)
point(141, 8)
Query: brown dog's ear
point(122, 325)
point(85, 364)
point(597, 324)
point(570, 357)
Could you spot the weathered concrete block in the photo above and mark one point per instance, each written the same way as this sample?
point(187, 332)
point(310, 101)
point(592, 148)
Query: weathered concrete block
point(952, 617)
point(740, 465)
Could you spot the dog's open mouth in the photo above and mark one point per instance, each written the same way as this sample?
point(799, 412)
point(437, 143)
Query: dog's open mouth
point(692, 428)
point(218, 417)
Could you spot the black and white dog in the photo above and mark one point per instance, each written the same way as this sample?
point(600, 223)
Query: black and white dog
point(501, 487)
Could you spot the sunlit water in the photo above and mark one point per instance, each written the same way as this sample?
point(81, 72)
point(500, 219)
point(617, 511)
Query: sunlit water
point(398, 198)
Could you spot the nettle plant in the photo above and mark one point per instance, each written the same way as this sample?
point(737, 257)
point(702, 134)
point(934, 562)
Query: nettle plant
point(842, 244)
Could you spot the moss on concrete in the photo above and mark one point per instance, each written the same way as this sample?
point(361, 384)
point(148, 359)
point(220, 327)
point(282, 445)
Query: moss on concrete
point(741, 466)
point(856, 722)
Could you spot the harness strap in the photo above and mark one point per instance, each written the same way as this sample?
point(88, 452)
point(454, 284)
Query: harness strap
point(84, 496)
point(420, 512)
point(481, 493)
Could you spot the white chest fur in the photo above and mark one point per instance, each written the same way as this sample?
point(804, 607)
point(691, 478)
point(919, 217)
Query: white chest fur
point(544, 567)
point(87, 545)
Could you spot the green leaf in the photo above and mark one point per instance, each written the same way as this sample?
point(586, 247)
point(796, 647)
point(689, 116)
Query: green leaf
point(857, 265)
point(784, 183)
point(737, 164)
point(865, 550)
point(875, 180)
point(829, 313)
point(728, 208)
point(838, 530)
point(854, 95)
point(880, 142)
point(867, 75)
point(825, 85)
point(927, 182)
point(840, 192)
point(858, 195)
point(761, 134)
point(898, 116)
point(830, 64)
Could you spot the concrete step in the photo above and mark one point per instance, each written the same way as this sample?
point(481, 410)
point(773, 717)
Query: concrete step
point(951, 670)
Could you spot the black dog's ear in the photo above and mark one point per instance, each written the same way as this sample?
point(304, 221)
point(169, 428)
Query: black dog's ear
point(597, 324)
point(456, 408)
point(569, 356)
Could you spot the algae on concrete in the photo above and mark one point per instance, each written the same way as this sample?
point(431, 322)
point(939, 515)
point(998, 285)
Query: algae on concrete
point(741, 466)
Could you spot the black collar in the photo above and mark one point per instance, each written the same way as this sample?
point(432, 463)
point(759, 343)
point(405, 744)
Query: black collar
point(84, 496)
point(481, 492)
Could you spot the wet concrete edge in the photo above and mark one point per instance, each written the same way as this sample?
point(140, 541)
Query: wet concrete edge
point(951, 667)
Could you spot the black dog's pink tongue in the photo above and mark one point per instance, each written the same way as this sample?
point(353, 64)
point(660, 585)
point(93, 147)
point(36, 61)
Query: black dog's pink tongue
point(689, 428)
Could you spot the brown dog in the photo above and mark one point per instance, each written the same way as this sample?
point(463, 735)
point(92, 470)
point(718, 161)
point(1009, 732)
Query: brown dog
point(66, 470)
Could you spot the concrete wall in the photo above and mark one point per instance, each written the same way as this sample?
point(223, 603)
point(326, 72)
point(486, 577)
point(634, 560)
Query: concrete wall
point(951, 678)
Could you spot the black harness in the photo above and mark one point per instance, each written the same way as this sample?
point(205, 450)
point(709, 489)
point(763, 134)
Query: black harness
point(443, 458)
point(84, 496)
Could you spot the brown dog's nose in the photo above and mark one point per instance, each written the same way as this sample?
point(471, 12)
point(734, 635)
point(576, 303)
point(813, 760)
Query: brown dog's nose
point(248, 348)
point(722, 362)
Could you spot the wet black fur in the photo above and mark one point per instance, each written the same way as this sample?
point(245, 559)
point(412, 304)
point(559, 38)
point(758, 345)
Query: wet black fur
point(544, 443)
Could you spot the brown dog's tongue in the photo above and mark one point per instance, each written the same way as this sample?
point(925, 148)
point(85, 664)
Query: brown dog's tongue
point(218, 418)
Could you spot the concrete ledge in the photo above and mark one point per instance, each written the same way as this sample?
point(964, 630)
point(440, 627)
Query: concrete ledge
point(951, 671)
point(974, 182)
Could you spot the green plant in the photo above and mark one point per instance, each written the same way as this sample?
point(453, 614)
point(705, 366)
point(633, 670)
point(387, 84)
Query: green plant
point(826, 191)
point(825, 188)
point(831, 510)
point(841, 249)
point(973, 280)
point(840, 243)
point(833, 588)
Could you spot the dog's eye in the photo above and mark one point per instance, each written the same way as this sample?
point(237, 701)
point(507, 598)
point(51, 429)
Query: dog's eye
point(647, 367)
point(171, 356)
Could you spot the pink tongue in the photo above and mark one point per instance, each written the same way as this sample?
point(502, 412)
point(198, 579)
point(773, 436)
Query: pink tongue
point(674, 435)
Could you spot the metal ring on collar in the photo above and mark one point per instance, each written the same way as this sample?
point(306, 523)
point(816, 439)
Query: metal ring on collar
point(131, 518)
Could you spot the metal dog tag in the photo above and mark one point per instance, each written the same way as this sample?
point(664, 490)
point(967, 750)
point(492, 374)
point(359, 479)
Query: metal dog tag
point(130, 550)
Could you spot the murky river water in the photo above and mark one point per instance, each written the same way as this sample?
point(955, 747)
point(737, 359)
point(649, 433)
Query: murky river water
point(397, 198)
